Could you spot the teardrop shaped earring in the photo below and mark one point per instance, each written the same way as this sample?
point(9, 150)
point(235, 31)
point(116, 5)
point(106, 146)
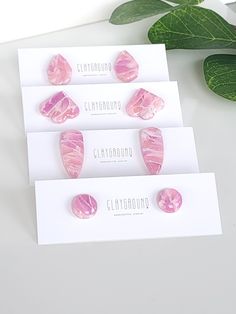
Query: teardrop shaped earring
point(126, 67)
point(59, 71)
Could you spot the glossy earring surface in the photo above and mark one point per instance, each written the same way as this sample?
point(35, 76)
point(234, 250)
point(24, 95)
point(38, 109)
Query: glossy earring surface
point(84, 206)
point(152, 148)
point(72, 152)
point(144, 104)
point(169, 200)
point(59, 108)
point(126, 67)
point(59, 71)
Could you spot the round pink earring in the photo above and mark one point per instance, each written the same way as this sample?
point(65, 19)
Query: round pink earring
point(84, 206)
point(59, 71)
point(169, 200)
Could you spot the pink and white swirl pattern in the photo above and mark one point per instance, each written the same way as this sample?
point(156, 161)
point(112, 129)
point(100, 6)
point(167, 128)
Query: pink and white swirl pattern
point(152, 148)
point(126, 68)
point(169, 200)
point(84, 206)
point(59, 108)
point(144, 104)
point(59, 71)
point(72, 152)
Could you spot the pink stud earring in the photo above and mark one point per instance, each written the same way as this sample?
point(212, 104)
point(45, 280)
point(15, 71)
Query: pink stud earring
point(59, 108)
point(152, 148)
point(72, 152)
point(59, 71)
point(126, 68)
point(169, 200)
point(84, 206)
point(144, 104)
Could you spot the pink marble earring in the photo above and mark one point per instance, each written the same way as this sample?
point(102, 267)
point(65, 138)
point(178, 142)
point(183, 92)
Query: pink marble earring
point(152, 148)
point(59, 108)
point(169, 200)
point(84, 206)
point(72, 152)
point(126, 68)
point(59, 71)
point(144, 104)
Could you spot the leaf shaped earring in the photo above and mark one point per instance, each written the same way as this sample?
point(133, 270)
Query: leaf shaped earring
point(144, 104)
point(72, 152)
point(152, 148)
point(126, 68)
point(59, 71)
point(59, 108)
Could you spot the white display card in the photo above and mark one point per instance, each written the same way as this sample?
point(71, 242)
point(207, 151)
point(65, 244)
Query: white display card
point(101, 106)
point(127, 209)
point(93, 64)
point(110, 153)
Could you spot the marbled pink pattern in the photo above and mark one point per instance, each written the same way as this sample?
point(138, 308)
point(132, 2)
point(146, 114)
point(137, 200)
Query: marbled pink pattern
point(126, 68)
point(59, 108)
point(59, 71)
point(84, 206)
point(72, 152)
point(152, 148)
point(144, 104)
point(169, 200)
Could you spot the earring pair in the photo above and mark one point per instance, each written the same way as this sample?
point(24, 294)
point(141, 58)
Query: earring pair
point(61, 107)
point(84, 206)
point(59, 70)
point(72, 150)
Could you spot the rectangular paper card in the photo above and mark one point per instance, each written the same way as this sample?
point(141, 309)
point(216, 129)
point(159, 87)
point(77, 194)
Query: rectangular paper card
point(127, 209)
point(102, 106)
point(110, 153)
point(93, 64)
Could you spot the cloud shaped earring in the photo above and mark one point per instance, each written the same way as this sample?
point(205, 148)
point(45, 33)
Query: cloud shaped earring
point(59, 108)
point(59, 71)
point(144, 104)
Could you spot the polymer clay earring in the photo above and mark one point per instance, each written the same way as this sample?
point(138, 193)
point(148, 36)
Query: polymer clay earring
point(59, 71)
point(144, 104)
point(84, 206)
point(72, 152)
point(152, 147)
point(126, 68)
point(169, 200)
point(59, 108)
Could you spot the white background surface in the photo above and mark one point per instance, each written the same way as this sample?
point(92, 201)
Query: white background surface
point(181, 276)
point(50, 15)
